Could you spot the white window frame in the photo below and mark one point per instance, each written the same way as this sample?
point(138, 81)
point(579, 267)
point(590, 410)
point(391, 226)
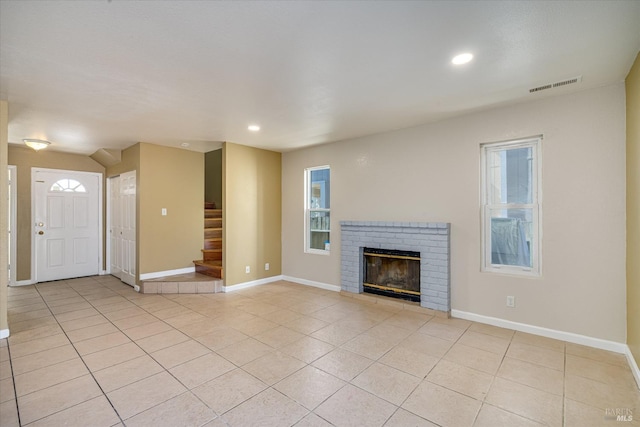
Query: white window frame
point(535, 143)
point(308, 209)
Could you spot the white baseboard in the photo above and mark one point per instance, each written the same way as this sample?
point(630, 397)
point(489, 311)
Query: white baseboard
point(155, 275)
point(634, 366)
point(251, 284)
point(4, 333)
point(23, 283)
point(616, 347)
point(306, 282)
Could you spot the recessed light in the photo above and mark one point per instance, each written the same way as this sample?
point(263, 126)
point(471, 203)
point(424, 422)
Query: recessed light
point(463, 58)
point(184, 144)
point(254, 128)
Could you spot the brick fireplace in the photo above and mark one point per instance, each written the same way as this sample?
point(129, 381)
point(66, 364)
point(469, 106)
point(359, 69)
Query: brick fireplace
point(430, 239)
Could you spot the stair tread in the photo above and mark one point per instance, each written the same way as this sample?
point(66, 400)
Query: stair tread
point(212, 263)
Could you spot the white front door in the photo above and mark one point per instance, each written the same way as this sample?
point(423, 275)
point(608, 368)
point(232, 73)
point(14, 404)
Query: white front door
point(66, 223)
point(122, 227)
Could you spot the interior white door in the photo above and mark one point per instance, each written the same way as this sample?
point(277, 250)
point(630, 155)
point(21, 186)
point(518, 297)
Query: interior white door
point(67, 219)
point(115, 227)
point(127, 239)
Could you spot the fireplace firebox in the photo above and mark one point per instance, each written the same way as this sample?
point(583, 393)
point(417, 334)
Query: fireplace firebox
point(392, 273)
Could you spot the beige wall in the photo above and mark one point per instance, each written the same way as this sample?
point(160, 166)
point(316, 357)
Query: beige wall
point(4, 128)
point(169, 178)
point(130, 161)
point(213, 177)
point(252, 213)
point(24, 159)
point(633, 209)
point(432, 172)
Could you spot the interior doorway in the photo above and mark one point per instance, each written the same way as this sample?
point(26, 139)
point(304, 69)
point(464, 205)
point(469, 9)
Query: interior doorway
point(122, 227)
point(11, 222)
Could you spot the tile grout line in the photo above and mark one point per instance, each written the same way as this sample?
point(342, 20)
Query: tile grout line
point(13, 381)
point(144, 351)
point(187, 390)
point(78, 353)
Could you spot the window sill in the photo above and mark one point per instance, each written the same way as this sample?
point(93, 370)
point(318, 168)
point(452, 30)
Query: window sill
point(317, 252)
point(511, 271)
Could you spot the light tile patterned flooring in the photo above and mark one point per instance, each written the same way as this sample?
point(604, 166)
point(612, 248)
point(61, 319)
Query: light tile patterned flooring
point(92, 352)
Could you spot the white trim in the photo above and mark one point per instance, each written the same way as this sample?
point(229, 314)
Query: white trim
point(103, 272)
point(306, 282)
point(616, 347)
point(157, 274)
point(107, 228)
point(535, 143)
point(4, 333)
point(307, 211)
point(633, 365)
point(13, 241)
point(251, 284)
point(23, 283)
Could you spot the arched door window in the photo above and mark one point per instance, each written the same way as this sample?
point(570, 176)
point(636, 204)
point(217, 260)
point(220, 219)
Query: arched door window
point(68, 186)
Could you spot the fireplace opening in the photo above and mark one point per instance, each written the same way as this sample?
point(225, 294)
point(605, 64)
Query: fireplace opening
point(392, 273)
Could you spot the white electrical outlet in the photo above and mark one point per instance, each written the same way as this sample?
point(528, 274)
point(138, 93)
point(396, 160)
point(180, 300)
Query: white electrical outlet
point(511, 301)
point(266, 266)
point(164, 211)
point(247, 269)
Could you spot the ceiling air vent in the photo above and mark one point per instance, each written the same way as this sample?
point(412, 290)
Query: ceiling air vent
point(556, 84)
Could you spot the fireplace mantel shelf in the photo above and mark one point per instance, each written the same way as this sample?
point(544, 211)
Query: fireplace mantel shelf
point(443, 225)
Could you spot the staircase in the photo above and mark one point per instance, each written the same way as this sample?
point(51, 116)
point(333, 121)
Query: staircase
point(211, 262)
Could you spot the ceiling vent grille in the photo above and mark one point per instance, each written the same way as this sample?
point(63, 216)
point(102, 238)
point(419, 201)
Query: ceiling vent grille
point(556, 84)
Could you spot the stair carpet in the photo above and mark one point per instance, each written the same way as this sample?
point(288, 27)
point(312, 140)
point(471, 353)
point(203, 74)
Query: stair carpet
point(211, 262)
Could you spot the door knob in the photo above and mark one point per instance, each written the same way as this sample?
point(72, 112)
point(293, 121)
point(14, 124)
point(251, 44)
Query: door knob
point(41, 232)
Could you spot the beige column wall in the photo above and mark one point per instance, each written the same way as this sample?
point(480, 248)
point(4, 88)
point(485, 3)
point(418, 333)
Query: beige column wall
point(4, 244)
point(633, 209)
point(173, 179)
point(252, 196)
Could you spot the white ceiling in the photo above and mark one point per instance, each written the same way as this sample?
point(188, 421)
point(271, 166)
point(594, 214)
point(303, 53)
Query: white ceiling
point(107, 74)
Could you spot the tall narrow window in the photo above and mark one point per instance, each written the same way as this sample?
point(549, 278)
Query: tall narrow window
point(317, 209)
point(511, 207)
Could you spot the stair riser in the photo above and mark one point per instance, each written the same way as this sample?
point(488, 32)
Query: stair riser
point(215, 244)
point(216, 255)
point(212, 213)
point(213, 234)
point(213, 223)
point(211, 273)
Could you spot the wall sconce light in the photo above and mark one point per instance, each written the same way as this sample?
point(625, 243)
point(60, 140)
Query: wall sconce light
point(36, 144)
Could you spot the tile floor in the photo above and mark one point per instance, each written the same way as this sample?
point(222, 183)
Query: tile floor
point(92, 352)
